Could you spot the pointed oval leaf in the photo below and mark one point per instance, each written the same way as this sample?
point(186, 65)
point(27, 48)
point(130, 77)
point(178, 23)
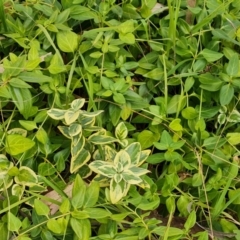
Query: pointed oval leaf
point(134, 151)
point(233, 65)
point(26, 177)
point(14, 223)
point(54, 226)
point(82, 158)
point(41, 208)
point(67, 41)
point(211, 56)
point(77, 104)
point(147, 138)
point(16, 144)
point(71, 116)
point(56, 114)
point(121, 131)
point(29, 125)
point(91, 195)
point(226, 94)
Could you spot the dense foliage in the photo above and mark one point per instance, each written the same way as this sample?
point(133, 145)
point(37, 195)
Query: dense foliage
point(119, 119)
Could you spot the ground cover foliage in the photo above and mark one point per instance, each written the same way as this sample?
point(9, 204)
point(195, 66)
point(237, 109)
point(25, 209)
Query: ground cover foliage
point(119, 119)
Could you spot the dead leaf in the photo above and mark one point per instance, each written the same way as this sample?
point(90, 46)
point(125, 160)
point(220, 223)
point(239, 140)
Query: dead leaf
point(42, 58)
point(158, 8)
point(1, 68)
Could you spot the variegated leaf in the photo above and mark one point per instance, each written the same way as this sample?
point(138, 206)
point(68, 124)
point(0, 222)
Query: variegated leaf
point(26, 177)
point(107, 170)
point(143, 156)
point(56, 114)
point(75, 129)
point(65, 131)
point(71, 116)
point(77, 147)
point(83, 157)
point(117, 177)
point(91, 114)
point(137, 171)
point(121, 131)
point(118, 190)
point(77, 104)
point(122, 159)
point(101, 139)
point(130, 178)
point(109, 153)
point(134, 151)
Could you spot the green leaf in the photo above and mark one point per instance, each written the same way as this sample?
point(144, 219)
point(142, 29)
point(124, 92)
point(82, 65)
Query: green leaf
point(146, 138)
point(149, 205)
point(81, 13)
point(166, 138)
point(42, 136)
point(76, 226)
point(22, 98)
point(155, 74)
point(209, 82)
point(14, 223)
point(233, 138)
point(214, 142)
point(65, 206)
point(97, 213)
point(29, 125)
point(56, 65)
point(126, 27)
point(211, 56)
point(156, 158)
point(4, 230)
point(33, 77)
point(54, 226)
point(177, 103)
point(18, 83)
point(46, 169)
point(130, 12)
point(67, 41)
point(191, 221)
point(91, 195)
point(189, 113)
point(127, 38)
point(234, 196)
point(81, 227)
point(16, 144)
point(41, 208)
point(78, 193)
point(119, 98)
point(226, 94)
point(175, 125)
point(114, 113)
point(197, 180)
point(79, 214)
point(233, 65)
